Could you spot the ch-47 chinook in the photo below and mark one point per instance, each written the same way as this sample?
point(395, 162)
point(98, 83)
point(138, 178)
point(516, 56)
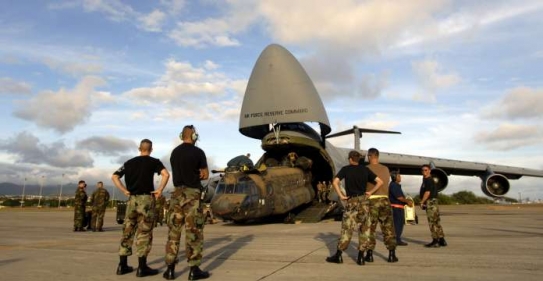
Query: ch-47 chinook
point(279, 101)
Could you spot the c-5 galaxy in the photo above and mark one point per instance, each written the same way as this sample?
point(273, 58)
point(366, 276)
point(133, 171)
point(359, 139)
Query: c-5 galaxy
point(279, 101)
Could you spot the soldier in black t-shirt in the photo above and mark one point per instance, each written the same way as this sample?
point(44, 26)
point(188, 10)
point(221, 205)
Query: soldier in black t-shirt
point(357, 206)
point(140, 212)
point(428, 202)
point(189, 168)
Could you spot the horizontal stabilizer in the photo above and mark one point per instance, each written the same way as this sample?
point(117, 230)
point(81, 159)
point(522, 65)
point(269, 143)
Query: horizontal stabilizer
point(360, 131)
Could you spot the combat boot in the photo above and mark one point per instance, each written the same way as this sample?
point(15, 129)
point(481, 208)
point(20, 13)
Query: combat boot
point(143, 269)
point(433, 244)
point(392, 256)
point(169, 274)
point(196, 273)
point(360, 258)
point(123, 267)
point(336, 258)
point(369, 256)
point(442, 242)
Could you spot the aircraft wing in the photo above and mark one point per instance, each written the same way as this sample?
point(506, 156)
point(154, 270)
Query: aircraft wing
point(411, 164)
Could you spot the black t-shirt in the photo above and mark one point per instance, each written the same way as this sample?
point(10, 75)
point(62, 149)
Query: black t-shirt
point(428, 185)
point(187, 160)
point(139, 173)
point(356, 177)
point(395, 191)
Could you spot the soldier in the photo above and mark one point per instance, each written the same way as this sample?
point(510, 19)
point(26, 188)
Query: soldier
point(79, 206)
point(140, 211)
point(320, 190)
point(398, 202)
point(380, 211)
point(356, 178)
point(189, 168)
point(428, 193)
point(99, 200)
point(159, 207)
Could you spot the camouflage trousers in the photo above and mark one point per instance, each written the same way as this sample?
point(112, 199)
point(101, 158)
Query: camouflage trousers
point(97, 220)
point(159, 215)
point(354, 216)
point(79, 215)
point(434, 221)
point(380, 212)
point(138, 223)
point(185, 210)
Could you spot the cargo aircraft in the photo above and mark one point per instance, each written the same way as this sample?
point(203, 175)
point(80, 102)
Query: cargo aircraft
point(279, 101)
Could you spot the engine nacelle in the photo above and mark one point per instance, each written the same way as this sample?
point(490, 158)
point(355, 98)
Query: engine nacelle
point(441, 180)
point(495, 185)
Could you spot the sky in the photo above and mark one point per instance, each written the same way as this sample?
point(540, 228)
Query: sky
point(82, 82)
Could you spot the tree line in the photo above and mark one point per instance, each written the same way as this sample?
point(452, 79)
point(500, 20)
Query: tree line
point(461, 197)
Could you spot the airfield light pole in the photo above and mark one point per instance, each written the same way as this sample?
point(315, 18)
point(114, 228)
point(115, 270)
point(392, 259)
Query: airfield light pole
point(60, 194)
point(113, 192)
point(41, 188)
point(23, 197)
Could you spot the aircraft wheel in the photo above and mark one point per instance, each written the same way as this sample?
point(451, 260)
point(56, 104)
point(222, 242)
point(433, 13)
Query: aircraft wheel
point(290, 218)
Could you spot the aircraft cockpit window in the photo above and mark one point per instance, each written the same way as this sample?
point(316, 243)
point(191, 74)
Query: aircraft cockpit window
point(225, 188)
point(243, 187)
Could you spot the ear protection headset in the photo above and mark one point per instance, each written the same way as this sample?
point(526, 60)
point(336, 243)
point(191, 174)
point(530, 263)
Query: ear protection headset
point(193, 136)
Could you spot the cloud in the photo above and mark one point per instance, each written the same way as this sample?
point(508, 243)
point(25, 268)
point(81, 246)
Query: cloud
point(174, 6)
point(114, 9)
point(122, 159)
point(153, 21)
point(205, 90)
point(371, 85)
point(75, 68)
point(214, 32)
point(373, 25)
point(117, 11)
point(518, 103)
point(12, 86)
point(510, 136)
point(431, 79)
point(28, 149)
point(107, 145)
point(63, 110)
point(236, 18)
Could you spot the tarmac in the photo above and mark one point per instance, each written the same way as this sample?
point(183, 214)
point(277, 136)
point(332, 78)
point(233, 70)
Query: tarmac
point(486, 242)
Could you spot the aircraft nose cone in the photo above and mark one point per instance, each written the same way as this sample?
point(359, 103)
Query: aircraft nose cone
point(227, 205)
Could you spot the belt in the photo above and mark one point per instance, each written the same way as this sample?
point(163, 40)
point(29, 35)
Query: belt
point(378, 196)
point(399, 206)
point(139, 194)
point(186, 187)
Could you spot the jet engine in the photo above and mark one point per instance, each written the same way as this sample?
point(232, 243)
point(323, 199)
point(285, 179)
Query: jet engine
point(495, 185)
point(441, 180)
